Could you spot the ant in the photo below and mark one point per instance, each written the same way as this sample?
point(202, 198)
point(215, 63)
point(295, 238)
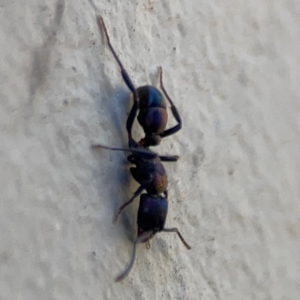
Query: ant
point(150, 103)
point(149, 171)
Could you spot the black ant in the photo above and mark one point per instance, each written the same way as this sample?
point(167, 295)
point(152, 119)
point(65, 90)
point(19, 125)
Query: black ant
point(149, 171)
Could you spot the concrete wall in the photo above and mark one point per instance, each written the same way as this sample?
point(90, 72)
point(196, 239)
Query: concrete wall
point(232, 68)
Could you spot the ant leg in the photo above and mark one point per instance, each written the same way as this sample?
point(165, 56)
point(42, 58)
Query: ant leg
point(136, 193)
point(128, 269)
point(147, 244)
point(131, 118)
point(126, 79)
point(140, 239)
point(145, 153)
point(169, 158)
point(124, 73)
point(179, 235)
point(173, 109)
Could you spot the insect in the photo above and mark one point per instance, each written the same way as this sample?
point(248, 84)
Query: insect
point(149, 171)
point(150, 103)
point(152, 177)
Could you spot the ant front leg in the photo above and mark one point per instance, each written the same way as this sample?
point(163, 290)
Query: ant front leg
point(126, 79)
point(173, 109)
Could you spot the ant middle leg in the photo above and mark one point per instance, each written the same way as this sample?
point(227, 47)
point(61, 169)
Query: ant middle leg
point(145, 153)
point(142, 152)
point(174, 110)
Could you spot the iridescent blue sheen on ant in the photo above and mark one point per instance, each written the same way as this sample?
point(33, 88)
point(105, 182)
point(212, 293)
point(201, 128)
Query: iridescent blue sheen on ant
point(152, 213)
point(150, 96)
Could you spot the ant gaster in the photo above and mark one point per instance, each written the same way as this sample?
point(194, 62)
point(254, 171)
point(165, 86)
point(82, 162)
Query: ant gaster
point(150, 103)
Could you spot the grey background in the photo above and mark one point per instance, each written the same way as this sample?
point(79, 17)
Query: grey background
point(233, 71)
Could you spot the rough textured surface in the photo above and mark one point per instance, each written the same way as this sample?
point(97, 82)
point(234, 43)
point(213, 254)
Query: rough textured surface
point(233, 71)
